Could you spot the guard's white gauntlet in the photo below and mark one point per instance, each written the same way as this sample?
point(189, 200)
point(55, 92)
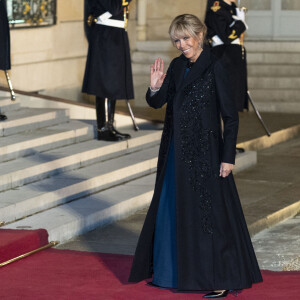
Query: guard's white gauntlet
point(240, 16)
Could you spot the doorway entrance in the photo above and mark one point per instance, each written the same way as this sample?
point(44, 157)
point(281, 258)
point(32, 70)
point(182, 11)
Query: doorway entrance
point(273, 19)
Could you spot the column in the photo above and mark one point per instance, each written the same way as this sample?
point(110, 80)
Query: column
point(141, 20)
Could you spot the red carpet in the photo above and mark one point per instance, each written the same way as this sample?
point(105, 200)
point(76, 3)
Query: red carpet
point(16, 242)
point(64, 274)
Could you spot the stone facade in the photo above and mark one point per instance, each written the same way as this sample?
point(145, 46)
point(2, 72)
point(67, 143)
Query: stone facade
point(161, 13)
point(53, 57)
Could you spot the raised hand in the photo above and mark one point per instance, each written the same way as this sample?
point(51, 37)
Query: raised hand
point(157, 74)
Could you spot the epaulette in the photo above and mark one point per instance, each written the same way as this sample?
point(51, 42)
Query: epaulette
point(216, 6)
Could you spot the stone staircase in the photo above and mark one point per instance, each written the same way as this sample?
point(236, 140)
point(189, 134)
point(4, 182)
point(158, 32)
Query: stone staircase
point(55, 175)
point(48, 160)
point(273, 72)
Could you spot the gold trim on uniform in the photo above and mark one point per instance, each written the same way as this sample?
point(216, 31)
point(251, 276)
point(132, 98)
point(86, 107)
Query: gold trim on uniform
point(91, 20)
point(126, 12)
point(216, 6)
point(125, 3)
point(233, 35)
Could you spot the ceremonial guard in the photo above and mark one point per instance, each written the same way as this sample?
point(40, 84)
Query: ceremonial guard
point(226, 26)
point(108, 73)
point(4, 43)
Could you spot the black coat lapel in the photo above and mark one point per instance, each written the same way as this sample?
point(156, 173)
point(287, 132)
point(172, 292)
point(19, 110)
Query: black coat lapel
point(179, 69)
point(200, 66)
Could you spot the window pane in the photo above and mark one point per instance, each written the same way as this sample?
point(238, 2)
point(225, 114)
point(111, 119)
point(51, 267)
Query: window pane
point(290, 5)
point(256, 4)
point(31, 13)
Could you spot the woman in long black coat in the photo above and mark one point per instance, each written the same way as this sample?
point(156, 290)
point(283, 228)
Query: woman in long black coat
point(195, 236)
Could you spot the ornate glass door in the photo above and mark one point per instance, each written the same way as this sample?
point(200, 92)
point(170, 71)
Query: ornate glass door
point(273, 19)
point(31, 13)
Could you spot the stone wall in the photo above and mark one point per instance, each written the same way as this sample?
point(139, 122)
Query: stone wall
point(54, 57)
point(161, 13)
point(50, 57)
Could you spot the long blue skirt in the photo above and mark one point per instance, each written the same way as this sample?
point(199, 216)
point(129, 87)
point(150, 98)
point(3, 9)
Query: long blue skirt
point(165, 248)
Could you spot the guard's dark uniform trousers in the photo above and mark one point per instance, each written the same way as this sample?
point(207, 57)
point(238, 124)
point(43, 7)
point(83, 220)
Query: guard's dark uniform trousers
point(108, 72)
point(4, 42)
point(224, 33)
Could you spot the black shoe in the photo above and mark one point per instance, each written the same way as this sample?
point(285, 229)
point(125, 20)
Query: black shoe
point(3, 117)
point(125, 135)
point(217, 295)
point(150, 283)
point(108, 134)
point(105, 110)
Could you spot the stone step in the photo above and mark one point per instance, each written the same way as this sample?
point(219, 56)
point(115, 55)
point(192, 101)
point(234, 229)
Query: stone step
point(251, 46)
point(69, 220)
point(59, 189)
point(272, 106)
point(157, 46)
point(272, 46)
point(141, 80)
point(7, 105)
point(252, 58)
point(277, 70)
point(275, 95)
point(140, 68)
point(254, 70)
point(32, 118)
point(292, 83)
point(279, 90)
point(273, 58)
point(31, 142)
point(149, 57)
point(41, 165)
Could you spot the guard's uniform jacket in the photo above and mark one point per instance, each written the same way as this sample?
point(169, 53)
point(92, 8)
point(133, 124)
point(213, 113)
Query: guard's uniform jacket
point(108, 67)
point(224, 33)
point(4, 38)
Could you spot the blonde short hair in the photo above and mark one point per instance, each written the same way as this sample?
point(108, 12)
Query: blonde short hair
point(187, 25)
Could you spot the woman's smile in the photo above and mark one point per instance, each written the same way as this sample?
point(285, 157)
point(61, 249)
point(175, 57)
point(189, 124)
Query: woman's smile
point(189, 46)
point(184, 51)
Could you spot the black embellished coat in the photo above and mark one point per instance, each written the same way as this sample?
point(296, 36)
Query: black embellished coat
point(4, 38)
point(214, 250)
point(108, 67)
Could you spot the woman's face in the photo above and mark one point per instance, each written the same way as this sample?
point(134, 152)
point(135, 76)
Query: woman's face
point(189, 46)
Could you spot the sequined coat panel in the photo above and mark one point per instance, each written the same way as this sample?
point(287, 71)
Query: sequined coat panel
point(214, 247)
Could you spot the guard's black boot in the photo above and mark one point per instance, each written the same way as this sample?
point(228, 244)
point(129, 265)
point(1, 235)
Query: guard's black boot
point(112, 104)
point(3, 117)
point(105, 130)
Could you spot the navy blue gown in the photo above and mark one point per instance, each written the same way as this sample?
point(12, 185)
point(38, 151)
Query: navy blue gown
point(165, 248)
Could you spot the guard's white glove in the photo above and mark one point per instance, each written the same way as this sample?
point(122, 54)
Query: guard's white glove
point(105, 16)
point(238, 19)
point(240, 13)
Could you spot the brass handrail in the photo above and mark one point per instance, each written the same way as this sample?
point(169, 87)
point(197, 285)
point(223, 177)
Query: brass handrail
point(51, 244)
